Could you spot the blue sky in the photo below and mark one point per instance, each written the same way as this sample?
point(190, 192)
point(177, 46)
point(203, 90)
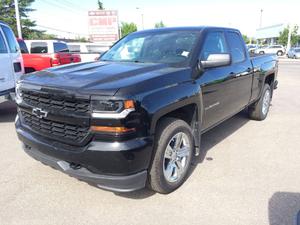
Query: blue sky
point(71, 15)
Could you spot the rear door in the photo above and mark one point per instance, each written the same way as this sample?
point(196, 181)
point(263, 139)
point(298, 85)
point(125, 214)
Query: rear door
point(6, 70)
point(241, 72)
point(15, 52)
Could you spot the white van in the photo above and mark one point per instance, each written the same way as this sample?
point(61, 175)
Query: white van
point(11, 62)
point(88, 51)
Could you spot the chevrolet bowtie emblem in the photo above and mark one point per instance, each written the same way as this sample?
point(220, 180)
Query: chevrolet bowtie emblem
point(39, 113)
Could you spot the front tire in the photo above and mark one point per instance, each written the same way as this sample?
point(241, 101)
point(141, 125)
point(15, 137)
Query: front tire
point(261, 52)
point(174, 148)
point(260, 109)
point(279, 53)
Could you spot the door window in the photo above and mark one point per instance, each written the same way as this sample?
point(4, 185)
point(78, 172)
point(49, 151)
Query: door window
point(237, 47)
point(39, 47)
point(60, 47)
point(214, 44)
point(23, 46)
point(11, 39)
point(3, 48)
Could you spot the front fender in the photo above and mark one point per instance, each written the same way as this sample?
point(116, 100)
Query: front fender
point(168, 99)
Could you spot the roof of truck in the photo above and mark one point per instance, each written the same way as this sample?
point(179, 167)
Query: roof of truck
point(196, 28)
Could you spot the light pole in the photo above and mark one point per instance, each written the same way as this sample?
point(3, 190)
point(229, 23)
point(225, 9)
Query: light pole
point(289, 37)
point(142, 15)
point(18, 19)
point(260, 20)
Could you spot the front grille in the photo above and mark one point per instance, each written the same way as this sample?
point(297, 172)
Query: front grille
point(57, 130)
point(55, 102)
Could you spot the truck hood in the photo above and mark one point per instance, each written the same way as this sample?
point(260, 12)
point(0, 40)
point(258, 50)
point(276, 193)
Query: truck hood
point(101, 78)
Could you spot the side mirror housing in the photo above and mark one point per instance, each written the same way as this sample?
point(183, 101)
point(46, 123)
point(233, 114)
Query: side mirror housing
point(216, 60)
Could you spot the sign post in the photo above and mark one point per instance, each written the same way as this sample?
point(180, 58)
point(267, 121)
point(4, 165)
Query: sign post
point(104, 26)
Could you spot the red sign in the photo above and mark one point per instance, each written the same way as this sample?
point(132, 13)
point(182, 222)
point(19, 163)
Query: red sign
point(104, 26)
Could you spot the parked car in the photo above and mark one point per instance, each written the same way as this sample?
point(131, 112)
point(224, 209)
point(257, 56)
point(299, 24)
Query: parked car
point(272, 49)
point(88, 51)
point(137, 115)
point(42, 54)
point(251, 48)
point(11, 62)
point(294, 53)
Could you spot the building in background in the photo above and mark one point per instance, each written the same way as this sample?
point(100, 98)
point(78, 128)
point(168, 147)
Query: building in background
point(269, 35)
point(104, 27)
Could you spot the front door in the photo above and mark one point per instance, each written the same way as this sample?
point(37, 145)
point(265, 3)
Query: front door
point(6, 67)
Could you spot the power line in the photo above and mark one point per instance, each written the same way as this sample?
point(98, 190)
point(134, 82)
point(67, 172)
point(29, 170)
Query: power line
point(63, 7)
point(59, 30)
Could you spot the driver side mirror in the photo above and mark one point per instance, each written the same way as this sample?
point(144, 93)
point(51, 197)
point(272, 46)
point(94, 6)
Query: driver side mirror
point(215, 60)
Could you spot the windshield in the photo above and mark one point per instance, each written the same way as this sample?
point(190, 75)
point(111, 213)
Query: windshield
point(172, 47)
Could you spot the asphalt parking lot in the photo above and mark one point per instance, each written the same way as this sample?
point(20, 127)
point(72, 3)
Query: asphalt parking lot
point(248, 174)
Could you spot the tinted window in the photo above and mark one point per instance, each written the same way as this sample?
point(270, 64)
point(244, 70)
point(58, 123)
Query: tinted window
point(237, 47)
point(3, 48)
point(60, 47)
point(74, 48)
point(214, 44)
point(23, 46)
point(39, 47)
point(11, 39)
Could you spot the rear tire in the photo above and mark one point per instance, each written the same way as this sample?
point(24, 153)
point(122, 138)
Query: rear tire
point(259, 110)
point(174, 148)
point(261, 52)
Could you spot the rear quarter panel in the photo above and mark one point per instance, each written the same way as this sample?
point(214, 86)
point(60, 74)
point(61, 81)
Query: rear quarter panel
point(263, 66)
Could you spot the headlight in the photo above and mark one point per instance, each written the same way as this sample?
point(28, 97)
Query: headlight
point(107, 106)
point(112, 109)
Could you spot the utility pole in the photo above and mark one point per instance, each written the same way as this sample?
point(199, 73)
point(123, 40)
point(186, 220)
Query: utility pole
point(289, 37)
point(260, 20)
point(18, 19)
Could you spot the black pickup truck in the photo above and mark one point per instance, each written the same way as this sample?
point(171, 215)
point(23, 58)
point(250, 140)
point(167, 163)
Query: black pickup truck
point(135, 117)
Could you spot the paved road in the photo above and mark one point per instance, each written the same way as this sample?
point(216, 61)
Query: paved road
point(248, 175)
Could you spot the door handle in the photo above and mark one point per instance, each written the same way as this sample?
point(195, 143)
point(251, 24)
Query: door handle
point(2, 79)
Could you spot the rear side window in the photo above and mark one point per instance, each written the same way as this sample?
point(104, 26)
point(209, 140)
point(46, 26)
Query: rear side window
point(11, 39)
point(39, 47)
point(237, 47)
point(3, 48)
point(23, 46)
point(74, 48)
point(214, 44)
point(60, 47)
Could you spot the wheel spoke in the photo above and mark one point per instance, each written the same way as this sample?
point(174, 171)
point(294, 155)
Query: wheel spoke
point(169, 170)
point(178, 141)
point(183, 152)
point(179, 167)
point(168, 152)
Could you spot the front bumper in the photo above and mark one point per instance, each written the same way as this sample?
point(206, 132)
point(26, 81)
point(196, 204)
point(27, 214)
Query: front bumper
point(117, 166)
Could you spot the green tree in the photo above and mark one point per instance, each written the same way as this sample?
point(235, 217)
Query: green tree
point(159, 24)
point(100, 5)
point(7, 15)
point(283, 36)
point(246, 38)
point(127, 28)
